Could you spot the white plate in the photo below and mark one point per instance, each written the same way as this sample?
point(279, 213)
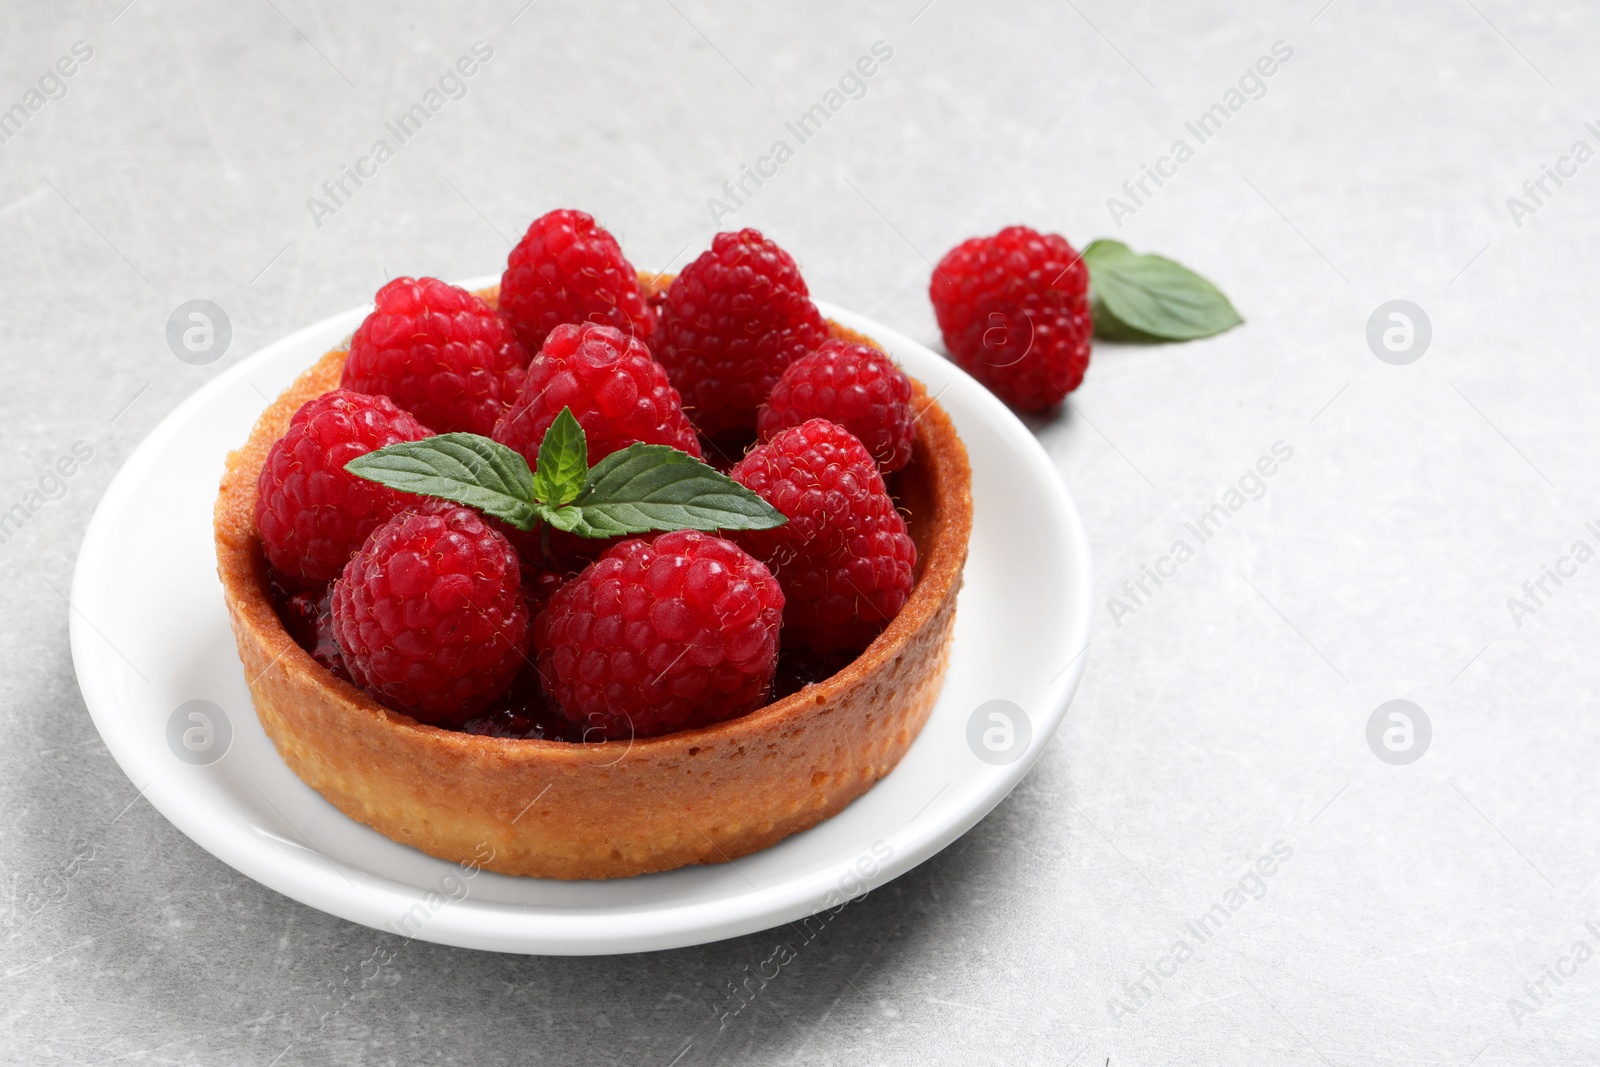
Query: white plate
point(149, 634)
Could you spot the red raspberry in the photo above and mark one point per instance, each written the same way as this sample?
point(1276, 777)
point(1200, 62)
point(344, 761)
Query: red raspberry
point(312, 513)
point(844, 557)
point(853, 385)
point(1014, 311)
point(439, 352)
point(661, 635)
point(567, 269)
point(734, 319)
point(430, 616)
point(617, 393)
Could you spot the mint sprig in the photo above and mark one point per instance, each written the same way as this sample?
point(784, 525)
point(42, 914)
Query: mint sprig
point(639, 489)
point(1152, 298)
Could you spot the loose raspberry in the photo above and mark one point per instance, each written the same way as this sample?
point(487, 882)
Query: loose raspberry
point(311, 512)
point(853, 385)
point(1014, 311)
point(733, 320)
point(616, 391)
point(844, 558)
point(661, 635)
point(567, 269)
point(430, 616)
point(439, 352)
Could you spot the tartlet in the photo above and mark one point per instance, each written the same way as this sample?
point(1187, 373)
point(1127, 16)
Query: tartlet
point(561, 810)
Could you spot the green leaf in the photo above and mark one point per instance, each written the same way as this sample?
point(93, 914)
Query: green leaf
point(563, 461)
point(656, 487)
point(1149, 297)
point(463, 467)
point(641, 488)
point(566, 519)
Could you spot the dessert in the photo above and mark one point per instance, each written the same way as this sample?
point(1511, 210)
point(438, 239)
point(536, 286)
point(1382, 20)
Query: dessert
point(467, 721)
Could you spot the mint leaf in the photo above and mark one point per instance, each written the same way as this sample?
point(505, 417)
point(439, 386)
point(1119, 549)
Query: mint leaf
point(567, 519)
point(656, 487)
point(463, 467)
point(1149, 297)
point(641, 488)
point(563, 461)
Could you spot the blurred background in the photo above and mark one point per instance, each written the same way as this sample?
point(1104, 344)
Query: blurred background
point(1425, 152)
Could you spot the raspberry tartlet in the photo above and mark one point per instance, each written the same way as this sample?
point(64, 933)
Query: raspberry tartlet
point(576, 807)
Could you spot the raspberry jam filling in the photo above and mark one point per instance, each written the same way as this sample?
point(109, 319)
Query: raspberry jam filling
point(307, 614)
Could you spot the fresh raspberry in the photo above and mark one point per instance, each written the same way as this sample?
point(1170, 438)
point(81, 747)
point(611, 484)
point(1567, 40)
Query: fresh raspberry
point(439, 352)
point(844, 558)
point(567, 269)
point(851, 384)
point(312, 513)
point(1014, 311)
point(430, 615)
point(616, 391)
point(734, 319)
point(661, 635)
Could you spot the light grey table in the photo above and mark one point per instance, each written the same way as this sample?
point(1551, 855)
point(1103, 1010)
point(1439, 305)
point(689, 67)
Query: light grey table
point(1412, 910)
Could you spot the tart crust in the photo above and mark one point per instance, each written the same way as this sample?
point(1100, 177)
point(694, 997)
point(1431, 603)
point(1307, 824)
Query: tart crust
point(559, 810)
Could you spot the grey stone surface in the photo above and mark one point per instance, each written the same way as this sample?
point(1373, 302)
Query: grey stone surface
point(1225, 713)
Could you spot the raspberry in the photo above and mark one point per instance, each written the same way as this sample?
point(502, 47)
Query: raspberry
point(567, 269)
point(1014, 311)
point(439, 352)
point(844, 558)
point(853, 385)
point(312, 513)
point(429, 614)
point(733, 320)
point(661, 635)
point(618, 394)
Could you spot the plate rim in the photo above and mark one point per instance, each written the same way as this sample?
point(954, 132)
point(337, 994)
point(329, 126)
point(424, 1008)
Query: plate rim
point(463, 923)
